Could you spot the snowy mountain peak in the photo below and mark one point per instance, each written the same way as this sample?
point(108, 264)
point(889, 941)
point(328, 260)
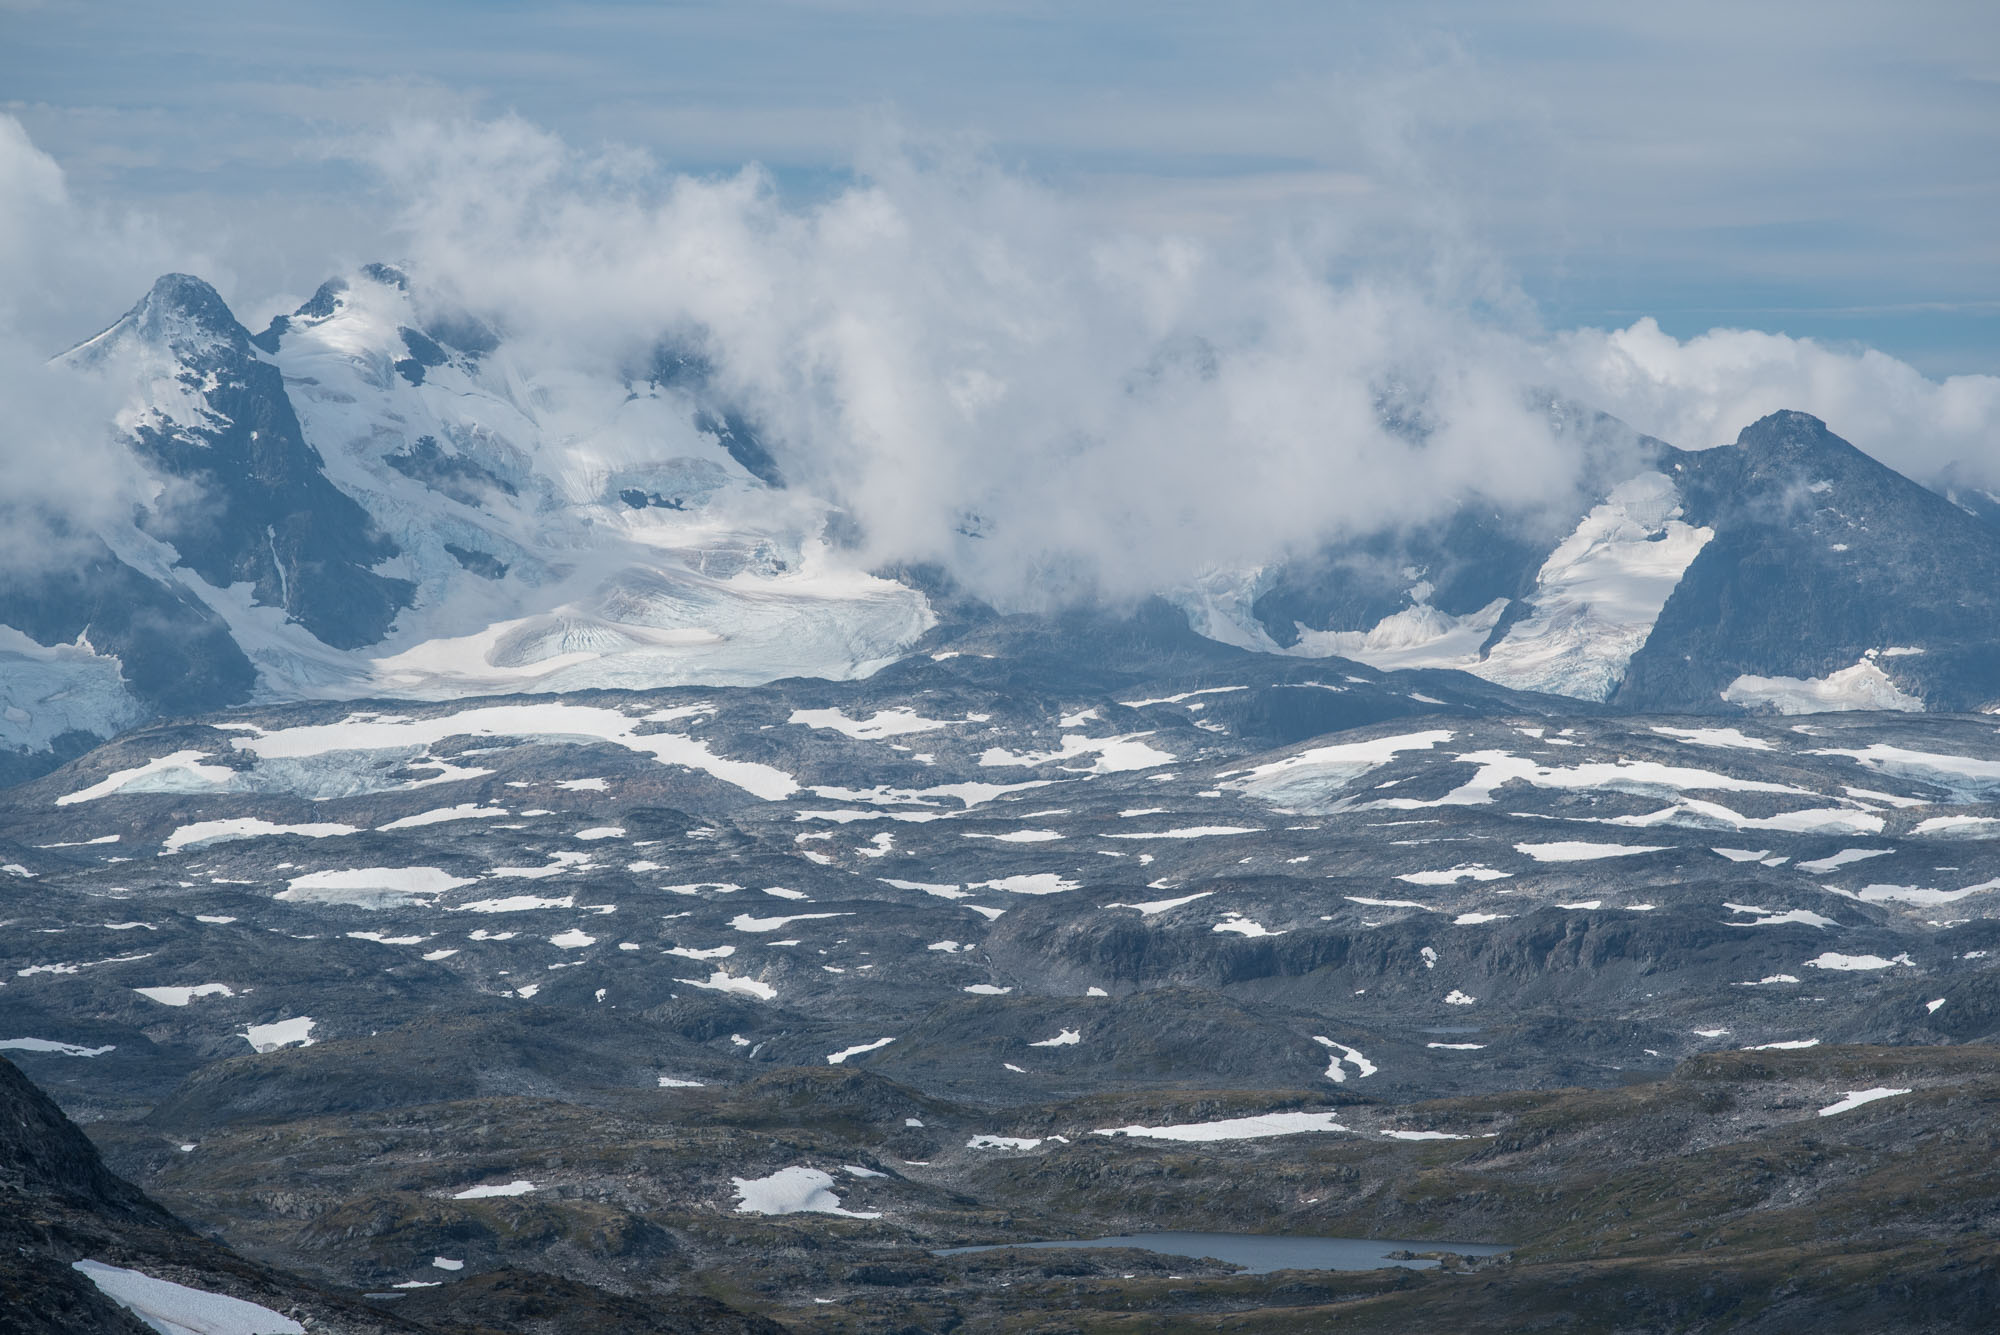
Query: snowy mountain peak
point(180, 314)
point(381, 496)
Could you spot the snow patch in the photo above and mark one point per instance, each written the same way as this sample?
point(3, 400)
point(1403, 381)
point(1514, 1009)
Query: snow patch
point(280, 1034)
point(1856, 963)
point(1863, 686)
point(1260, 1127)
point(203, 833)
point(1314, 776)
point(181, 996)
point(1342, 1053)
point(176, 1309)
point(1856, 1098)
point(744, 922)
point(51, 1046)
point(515, 904)
point(723, 981)
point(793, 1191)
point(1153, 906)
point(1191, 832)
point(440, 815)
point(1115, 755)
point(1451, 877)
point(837, 1058)
point(1842, 858)
point(371, 887)
point(1729, 738)
point(1036, 883)
point(547, 723)
point(885, 723)
point(518, 1187)
point(1572, 850)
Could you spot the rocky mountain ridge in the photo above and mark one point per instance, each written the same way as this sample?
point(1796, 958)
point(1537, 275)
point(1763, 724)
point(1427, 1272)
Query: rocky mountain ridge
point(376, 498)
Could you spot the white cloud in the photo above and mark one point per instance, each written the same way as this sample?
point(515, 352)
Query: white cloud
point(57, 457)
point(1701, 391)
point(946, 346)
point(1114, 405)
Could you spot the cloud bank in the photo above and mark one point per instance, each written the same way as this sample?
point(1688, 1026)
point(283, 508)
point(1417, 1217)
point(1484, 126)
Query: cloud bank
point(990, 377)
point(62, 471)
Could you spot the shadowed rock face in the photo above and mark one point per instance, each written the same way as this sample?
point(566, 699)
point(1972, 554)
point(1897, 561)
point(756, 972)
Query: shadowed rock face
point(1819, 556)
point(59, 1203)
point(258, 507)
point(44, 1158)
point(170, 654)
point(1822, 555)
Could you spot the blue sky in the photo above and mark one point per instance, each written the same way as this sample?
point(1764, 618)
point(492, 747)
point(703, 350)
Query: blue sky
point(1829, 170)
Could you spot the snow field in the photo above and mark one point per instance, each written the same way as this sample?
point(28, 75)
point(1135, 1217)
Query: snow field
point(793, 1191)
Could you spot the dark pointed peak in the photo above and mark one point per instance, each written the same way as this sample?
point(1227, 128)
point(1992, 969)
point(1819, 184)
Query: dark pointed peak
point(1784, 423)
point(1786, 433)
point(180, 312)
point(678, 364)
point(1792, 457)
point(323, 302)
point(388, 275)
point(273, 332)
point(1793, 440)
point(185, 295)
point(181, 305)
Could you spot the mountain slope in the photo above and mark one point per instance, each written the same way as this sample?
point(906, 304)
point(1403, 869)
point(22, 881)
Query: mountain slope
point(1824, 560)
point(1788, 572)
point(247, 499)
point(376, 496)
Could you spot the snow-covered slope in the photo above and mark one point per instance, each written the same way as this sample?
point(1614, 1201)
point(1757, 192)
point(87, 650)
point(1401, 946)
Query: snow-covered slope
point(364, 508)
point(568, 532)
point(1788, 573)
point(1592, 605)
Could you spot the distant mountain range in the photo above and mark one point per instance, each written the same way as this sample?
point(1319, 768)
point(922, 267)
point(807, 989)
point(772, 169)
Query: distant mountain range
point(377, 497)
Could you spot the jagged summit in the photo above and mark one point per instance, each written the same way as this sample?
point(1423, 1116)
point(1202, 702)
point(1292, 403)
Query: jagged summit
point(1795, 439)
point(180, 313)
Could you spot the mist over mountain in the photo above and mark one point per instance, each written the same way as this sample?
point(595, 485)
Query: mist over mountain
point(983, 376)
point(625, 429)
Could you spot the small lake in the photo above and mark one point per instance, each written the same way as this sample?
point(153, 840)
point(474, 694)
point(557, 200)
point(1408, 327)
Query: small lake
point(1260, 1254)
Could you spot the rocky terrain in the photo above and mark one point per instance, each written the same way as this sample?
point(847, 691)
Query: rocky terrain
point(761, 995)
